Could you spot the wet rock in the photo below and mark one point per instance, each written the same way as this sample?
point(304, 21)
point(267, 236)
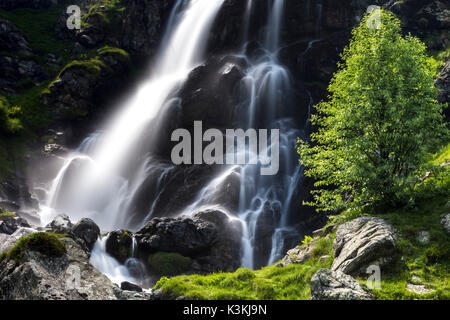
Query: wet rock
point(15, 194)
point(128, 286)
point(54, 149)
point(362, 242)
point(335, 285)
point(143, 25)
point(60, 224)
point(88, 231)
point(181, 235)
point(9, 225)
point(119, 245)
point(209, 94)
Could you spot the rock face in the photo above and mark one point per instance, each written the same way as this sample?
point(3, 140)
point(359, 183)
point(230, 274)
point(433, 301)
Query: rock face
point(335, 285)
point(80, 86)
point(362, 242)
point(12, 40)
point(41, 277)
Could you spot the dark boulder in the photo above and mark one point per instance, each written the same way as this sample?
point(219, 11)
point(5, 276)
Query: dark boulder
point(119, 245)
point(181, 235)
point(9, 225)
point(128, 286)
point(88, 231)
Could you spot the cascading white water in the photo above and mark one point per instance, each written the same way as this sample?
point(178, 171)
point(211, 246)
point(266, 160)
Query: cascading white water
point(90, 183)
point(267, 84)
point(98, 190)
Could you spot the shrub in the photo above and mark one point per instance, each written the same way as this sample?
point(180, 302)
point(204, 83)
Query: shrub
point(381, 124)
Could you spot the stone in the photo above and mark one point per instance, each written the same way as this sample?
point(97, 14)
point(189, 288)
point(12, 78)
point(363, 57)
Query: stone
point(41, 277)
point(335, 285)
point(9, 225)
point(299, 254)
point(8, 241)
point(88, 231)
point(418, 288)
point(128, 286)
point(60, 224)
point(362, 242)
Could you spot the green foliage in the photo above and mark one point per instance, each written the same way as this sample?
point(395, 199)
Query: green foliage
point(166, 264)
point(382, 121)
point(307, 240)
point(46, 243)
point(109, 18)
point(34, 115)
point(272, 282)
point(9, 123)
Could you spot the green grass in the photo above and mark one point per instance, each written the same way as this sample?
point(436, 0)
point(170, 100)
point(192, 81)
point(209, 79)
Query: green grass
point(38, 27)
point(46, 243)
point(269, 283)
point(443, 156)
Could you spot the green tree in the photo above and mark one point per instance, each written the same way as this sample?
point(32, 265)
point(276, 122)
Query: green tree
point(380, 124)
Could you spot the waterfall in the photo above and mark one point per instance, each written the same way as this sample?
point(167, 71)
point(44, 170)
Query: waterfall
point(100, 179)
point(98, 188)
point(268, 87)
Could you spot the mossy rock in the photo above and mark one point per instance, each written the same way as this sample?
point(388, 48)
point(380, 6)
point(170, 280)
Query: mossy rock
point(6, 214)
point(119, 245)
point(46, 243)
point(169, 264)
